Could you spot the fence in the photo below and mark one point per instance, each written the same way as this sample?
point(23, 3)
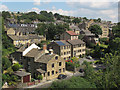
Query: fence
point(21, 85)
point(33, 83)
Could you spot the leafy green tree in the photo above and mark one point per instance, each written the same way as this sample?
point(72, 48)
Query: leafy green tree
point(96, 29)
point(116, 30)
point(99, 19)
point(40, 77)
point(111, 75)
point(16, 67)
point(75, 62)
point(76, 20)
point(5, 63)
point(56, 15)
point(74, 82)
point(41, 30)
point(114, 45)
point(85, 18)
point(6, 14)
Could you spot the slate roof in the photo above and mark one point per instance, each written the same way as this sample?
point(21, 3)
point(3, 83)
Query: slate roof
point(40, 70)
point(71, 33)
point(25, 29)
point(74, 27)
point(21, 73)
point(88, 33)
point(74, 42)
point(63, 43)
point(45, 58)
point(22, 48)
point(15, 38)
point(34, 52)
point(25, 37)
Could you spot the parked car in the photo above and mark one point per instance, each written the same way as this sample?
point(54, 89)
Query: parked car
point(88, 57)
point(62, 76)
point(81, 70)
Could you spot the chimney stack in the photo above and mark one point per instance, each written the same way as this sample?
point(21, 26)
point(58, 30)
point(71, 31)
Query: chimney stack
point(44, 47)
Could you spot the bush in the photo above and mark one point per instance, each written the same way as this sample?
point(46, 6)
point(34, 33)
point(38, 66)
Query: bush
point(74, 82)
point(40, 77)
point(16, 67)
point(32, 79)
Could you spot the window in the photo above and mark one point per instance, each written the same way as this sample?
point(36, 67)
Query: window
point(48, 73)
point(52, 72)
point(59, 70)
point(69, 52)
point(44, 74)
point(52, 65)
point(60, 63)
point(64, 47)
point(69, 57)
point(63, 69)
point(64, 53)
point(56, 57)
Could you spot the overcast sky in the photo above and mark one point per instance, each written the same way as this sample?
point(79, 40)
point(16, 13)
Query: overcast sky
point(93, 9)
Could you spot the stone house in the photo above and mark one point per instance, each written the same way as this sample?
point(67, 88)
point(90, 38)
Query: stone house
point(77, 48)
point(75, 29)
point(69, 35)
point(89, 37)
point(43, 62)
point(62, 48)
point(69, 48)
point(21, 40)
point(20, 31)
point(104, 27)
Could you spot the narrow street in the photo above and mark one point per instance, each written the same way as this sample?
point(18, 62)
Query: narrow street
point(47, 84)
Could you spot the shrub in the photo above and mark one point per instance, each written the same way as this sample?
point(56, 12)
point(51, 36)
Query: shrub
point(32, 79)
point(16, 67)
point(40, 77)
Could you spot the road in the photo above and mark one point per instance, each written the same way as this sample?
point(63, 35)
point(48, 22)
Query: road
point(47, 84)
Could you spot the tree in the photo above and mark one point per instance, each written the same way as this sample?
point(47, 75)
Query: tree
point(56, 15)
point(40, 77)
point(5, 63)
point(114, 45)
point(99, 19)
point(116, 30)
point(74, 82)
point(16, 67)
point(111, 76)
point(6, 14)
point(95, 29)
point(76, 20)
point(75, 62)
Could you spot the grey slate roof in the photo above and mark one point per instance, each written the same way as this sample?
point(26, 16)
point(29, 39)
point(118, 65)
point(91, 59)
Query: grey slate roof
point(21, 73)
point(74, 27)
point(25, 37)
point(34, 52)
point(40, 70)
point(22, 48)
point(45, 58)
point(74, 42)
